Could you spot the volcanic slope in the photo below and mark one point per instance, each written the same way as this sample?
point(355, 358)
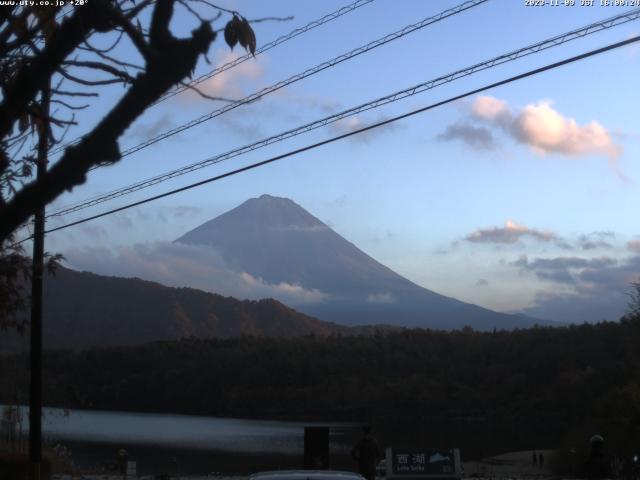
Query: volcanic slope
point(277, 240)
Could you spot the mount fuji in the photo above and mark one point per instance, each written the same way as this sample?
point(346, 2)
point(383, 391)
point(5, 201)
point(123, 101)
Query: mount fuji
point(278, 241)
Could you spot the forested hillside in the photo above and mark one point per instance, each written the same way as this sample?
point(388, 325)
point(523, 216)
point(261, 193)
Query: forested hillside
point(83, 310)
point(559, 383)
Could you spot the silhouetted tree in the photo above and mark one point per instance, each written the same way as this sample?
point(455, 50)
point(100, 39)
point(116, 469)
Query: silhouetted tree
point(634, 302)
point(55, 50)
point(38, 47)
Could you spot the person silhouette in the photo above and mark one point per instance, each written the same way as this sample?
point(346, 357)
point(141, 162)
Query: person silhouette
point(367, 453)
point(122, 462)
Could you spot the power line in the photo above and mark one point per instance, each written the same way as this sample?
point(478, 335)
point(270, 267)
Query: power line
point(294, 33)
point(307, 73)
point(298, 31)
point(414, 90)
point(355, 132)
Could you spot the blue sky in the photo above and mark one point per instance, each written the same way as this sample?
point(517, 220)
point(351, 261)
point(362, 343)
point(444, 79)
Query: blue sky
point(521, 199)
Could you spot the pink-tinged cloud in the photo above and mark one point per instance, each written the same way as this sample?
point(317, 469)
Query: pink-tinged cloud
point(545, 130)
point(231, 83)
point(489, 108)
point(634, 246)
point(511, 233)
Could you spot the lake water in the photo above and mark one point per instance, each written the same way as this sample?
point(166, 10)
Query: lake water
point(167, 443)
point(183, 444)
point(202, 433)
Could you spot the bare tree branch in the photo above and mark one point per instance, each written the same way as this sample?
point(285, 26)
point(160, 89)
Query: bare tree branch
point(212, 5)
point(75, 94)
point(177, 61)
point(61, 123)
point(159, 34)
point(69, 106)
point(33, 75)
point(114, 60)
point(186, 5)
point(271, 19)
point(105, 50)
point(90, 83)
point(133, 12)
point(204, 95)
point(101, 66)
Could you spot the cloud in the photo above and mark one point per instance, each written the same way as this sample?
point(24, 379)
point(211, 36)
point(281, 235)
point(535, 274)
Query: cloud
point(547, 131)
point(122, 220)
point(482, 283)
point(538, 126)
point(296, 293)
point(159, 214)
point(384, 298)
point(595, 240)
point(182, 210)
point(305, 102)
point(351, 124)
point(94, 233)
point(597, 288)
point(247, 127)
point(167, 214)
point(578, 307)
point(569, 270)
point(475, 137)
point(634, 246)
point(145, 131)
point(511, 233)
point(231, 83)
point(179, 265)
point(490, 108)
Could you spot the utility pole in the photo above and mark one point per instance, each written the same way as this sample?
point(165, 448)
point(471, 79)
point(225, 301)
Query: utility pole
point(35, 397)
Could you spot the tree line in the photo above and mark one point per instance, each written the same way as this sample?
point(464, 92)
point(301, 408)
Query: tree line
point(551, 385)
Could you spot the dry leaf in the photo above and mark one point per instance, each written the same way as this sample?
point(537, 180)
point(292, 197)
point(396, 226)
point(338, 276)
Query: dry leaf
point(23, 123)
point(231, 33)
point(249, 36)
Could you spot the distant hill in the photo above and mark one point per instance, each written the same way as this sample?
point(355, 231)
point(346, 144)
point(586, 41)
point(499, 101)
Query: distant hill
point(82, 309)
point(277, 240)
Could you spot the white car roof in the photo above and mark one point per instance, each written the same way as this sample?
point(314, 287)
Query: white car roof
point(305, 474)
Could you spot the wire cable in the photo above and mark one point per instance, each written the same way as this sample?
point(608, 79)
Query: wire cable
point(414, 90)
point(307, 73)
point(298, 31)
point(355, 132)
point(294, 33)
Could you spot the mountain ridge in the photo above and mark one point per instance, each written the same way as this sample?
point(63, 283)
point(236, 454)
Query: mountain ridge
point(83, 309)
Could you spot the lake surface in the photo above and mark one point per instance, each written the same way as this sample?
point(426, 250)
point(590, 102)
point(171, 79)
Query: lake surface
point(184, 444)
point(167, 443)
point(203, 433)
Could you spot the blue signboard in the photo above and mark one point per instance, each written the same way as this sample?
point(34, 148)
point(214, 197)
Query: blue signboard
point(430, 463)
